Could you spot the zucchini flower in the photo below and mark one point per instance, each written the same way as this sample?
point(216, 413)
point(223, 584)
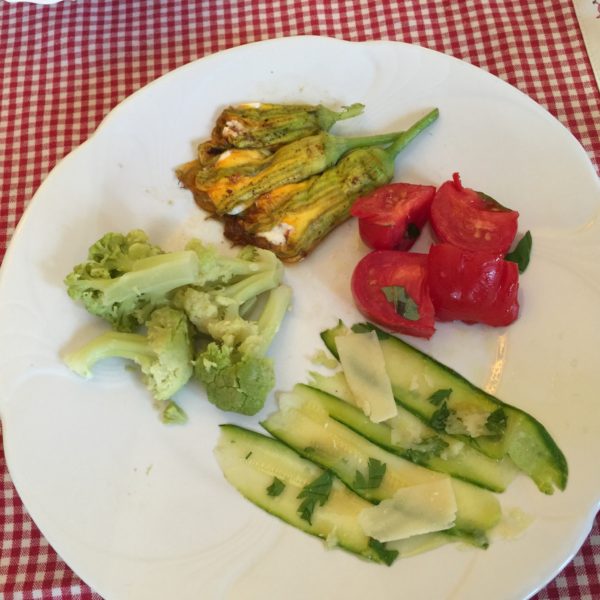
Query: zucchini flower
point(261, 125)
point(293, 219)
point(232, 190)
point(210, 166)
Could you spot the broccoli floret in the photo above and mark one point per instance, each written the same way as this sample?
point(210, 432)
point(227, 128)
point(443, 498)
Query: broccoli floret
point(180, 296)
point(117, 253)
point(235, 382)
point(164, 355)
point(125, 277)
point(219, 312)
point(218, 269)
point(239, 377)
point(268, 323)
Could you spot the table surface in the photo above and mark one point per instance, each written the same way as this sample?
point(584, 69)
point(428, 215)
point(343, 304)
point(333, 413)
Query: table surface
point(65, 66)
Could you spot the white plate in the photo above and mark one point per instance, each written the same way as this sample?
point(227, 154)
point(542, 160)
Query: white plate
point(140, 510)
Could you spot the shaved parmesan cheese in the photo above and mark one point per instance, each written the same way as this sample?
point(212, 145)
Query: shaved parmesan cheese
point(362, 361)
point(413, 510)
point(471, 423)
point(417, 544)
point(407, 430)
point(335, 384)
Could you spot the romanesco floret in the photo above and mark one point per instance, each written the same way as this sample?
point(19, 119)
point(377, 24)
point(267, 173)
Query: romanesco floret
point(164, 355)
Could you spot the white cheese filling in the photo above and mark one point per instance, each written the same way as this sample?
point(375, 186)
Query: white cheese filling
point(278, 235)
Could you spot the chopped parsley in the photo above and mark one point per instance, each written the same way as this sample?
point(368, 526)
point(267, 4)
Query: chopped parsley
point(496, 422)
point(424, 450)
point(439, 396)
point(439, 418)
point(386, 555)
point(276, 487)
point(403, 304)
point(375, 472)
point(315, 493)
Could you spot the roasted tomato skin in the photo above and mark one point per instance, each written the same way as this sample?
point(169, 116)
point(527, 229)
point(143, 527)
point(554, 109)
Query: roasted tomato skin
point(392, 216)
point(474, 287)
point(472, 220)
point(389, 268)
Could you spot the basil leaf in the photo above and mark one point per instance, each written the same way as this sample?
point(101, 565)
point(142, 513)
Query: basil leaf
point(403, 304)
point(492, 204)
point(276, 487)
point(412, 232)
point(522, 252)
point(315, 493)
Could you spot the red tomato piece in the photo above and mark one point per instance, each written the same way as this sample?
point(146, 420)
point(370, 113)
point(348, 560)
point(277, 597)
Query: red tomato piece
point(392, 216)
point(390, 288)
point(475, 287)
point(472, 220)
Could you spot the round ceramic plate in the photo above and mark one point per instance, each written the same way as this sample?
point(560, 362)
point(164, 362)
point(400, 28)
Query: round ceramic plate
point(139, 509)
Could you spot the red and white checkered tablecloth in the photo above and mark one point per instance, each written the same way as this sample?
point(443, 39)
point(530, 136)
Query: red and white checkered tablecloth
point(65, 66)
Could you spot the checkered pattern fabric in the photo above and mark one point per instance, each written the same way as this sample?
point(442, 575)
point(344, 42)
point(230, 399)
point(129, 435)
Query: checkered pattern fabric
point(65, 66)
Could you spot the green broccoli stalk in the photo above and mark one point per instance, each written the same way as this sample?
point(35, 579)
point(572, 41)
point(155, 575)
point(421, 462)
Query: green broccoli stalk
point(269, 322)
point(125, 277)
point(238, 378)
point(164, 356)
point(219, 312)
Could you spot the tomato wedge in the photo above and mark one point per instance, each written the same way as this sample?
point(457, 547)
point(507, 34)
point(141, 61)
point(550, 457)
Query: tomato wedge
point(392, 216)
point(472, 220)
point(475, 287)
point(390, 288)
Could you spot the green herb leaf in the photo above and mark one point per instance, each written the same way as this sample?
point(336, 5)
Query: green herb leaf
point(375, 472)
point(412, 232)
point(248, 455)
point(439, 396)
point(313, 494)
point(423, 451)
point(386, 555)
point(496, 422)
point(403, 304)
point(276, 487)
point(522, 252)
point(491, 203)
point(440, 417)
